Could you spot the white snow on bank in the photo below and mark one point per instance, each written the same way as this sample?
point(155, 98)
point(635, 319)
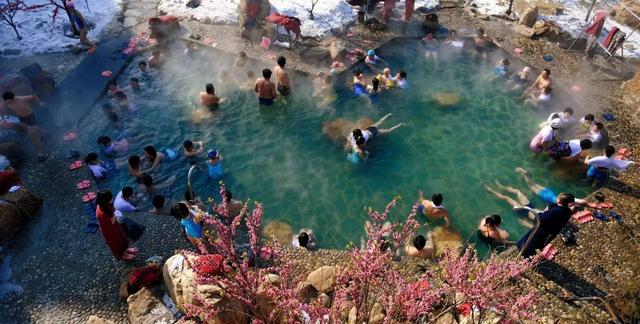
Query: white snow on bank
point(41, 35)
point(328, 13)
point(572, 20)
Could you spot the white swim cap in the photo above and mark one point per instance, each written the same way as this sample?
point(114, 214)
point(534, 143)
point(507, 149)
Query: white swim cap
point(526, 69)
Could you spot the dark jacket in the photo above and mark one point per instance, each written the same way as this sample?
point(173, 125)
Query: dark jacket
point(551, 223)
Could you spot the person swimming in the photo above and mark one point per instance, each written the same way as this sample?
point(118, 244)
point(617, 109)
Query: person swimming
point(433, 208)
point(431, 47)
point(386, 79)
point(373, 61)
point(283, 84)
point(359, 84)
point(358, 138)
point(214, 165)
point(96, 167)
point(374, 89)
point(401, 80)
point(490, 231)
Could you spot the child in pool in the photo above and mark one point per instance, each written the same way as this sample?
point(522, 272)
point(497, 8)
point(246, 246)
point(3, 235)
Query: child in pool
point(134, 166)
point(214, 165)
point(386, 79)
point(144, 73)
point(134, 84)
point(373, 61)
point(110, 114)
point(153, 157)
point(96, 166)
point(156, 60)
point(190, 150)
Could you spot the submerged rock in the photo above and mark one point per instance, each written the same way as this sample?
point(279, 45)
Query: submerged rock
point(447, 99)
point(445, 239)
point(278, 230)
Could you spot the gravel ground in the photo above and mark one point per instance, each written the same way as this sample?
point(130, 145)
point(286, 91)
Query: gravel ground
point(66, 287)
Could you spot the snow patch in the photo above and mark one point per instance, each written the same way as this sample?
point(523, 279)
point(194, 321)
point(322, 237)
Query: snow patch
point(41, 35)
point(328, 14)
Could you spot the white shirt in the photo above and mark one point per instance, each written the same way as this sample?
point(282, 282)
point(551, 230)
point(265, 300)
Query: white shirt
point(122, 205)
point(595, 137)
point(564, 122)
point(575, 147)
point(546, 133)
point(544, 97)
point(402, 84)
point(98, 171)
point(609, 162)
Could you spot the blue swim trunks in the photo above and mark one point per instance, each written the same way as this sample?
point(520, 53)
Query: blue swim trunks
point(421, 209)
point(599, 174)
point(265, 101)
point(548, 196)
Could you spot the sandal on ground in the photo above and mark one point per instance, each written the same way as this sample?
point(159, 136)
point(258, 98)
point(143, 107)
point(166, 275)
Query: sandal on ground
point(83, 184)
point(616, 216)
point(600, 216)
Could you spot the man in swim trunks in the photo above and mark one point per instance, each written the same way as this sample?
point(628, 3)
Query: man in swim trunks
point(543, 81)
point(209, 99)
point(265, 89)
point(546, 194)
point(80, 24)
point(282, 78)
point(19, 106)
point(433, 208)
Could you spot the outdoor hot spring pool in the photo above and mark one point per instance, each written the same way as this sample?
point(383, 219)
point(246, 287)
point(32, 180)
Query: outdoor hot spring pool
point(280, 156)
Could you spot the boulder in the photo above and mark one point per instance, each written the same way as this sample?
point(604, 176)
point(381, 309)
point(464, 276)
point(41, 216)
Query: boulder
point(445, 239)
point(323, 279)
point(353, 315)
point(180, 283)
point(144, 308)
point(337, 50)
point(621, 15)
point(529, 17)
point(447, 318)
point(278, 230)
point(97, 320)
point(306, 291)
point(16, 208)
point(376, 315)
point(447, 99)
point(524, 31)
point(547, 29)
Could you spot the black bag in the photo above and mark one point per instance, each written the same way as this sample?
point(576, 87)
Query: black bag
point(131, 229)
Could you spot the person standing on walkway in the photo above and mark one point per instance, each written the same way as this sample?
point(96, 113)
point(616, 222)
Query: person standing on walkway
point(81, 25)
point(111, 229)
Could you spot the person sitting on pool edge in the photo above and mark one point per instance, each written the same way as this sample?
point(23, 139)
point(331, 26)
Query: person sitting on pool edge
point(265, 89)
point(209, 99)
point(490, 231)
point(358, 138)
point(420, 247)
point(304, 239)
point(214, 165)
point(433, 208)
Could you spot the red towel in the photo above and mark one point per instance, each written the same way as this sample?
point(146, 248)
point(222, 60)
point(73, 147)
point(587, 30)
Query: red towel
point(290, 24)
point(596, 28)
point(610, 35)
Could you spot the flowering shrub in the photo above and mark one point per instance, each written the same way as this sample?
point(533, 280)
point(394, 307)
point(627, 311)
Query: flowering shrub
point(9, 9)
point(369, 288)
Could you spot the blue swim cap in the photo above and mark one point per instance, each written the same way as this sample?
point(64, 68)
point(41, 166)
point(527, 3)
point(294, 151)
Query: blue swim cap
point(371, 53)
point(212, 154)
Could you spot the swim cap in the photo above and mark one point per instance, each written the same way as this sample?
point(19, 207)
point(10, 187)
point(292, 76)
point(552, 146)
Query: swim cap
point(212, 154)
point(371, 53)
point(526, 69)
point(555, 123)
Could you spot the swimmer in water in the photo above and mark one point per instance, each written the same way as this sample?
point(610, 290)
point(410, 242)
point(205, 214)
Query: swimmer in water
point(112, 85)
point(214, 165)
point(147, 185)
point(265, 89)
point(542, 81)
point(358, 138)
point(154, 157)
point(359, 84)
point(482, 42)
point(96, 167)
point(111, 147)
point(520, 80)
point(209, 99)
point(501, 70)
point(161, 207)
point(432, 47)
point(134, 166)
point(373, 61)
point(401, 80)
point(386, 79)
point(192, 149)
point(144, 73)
point(134, 83)
point(123, 102)
point(111, 115)
point(374, 89)
point(540, 100)
point(283, 84)
point(420, 247)
point(241, 60)
point(433, 208)
point(489, 229)
point(156, 60)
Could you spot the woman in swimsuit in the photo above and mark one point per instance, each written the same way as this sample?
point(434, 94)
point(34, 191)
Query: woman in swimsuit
point(80, 24)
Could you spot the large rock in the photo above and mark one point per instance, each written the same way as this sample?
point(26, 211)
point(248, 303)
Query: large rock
point(620, 14)
point(529, 17)
point(546, 29)
point(337, 50)
point(524, 31)
point(445, 239)
point(376, 315)
point(447, 318)
point(323, 279)
point(15, 209)
point(182, 288)
point(145, 308)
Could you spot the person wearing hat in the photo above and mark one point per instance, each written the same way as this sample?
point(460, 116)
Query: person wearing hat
point(214, 165)
point(373, 61)
point(80, 24)
point(545, 137)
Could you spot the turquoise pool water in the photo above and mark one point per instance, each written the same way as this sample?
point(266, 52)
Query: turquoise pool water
point(279, 155)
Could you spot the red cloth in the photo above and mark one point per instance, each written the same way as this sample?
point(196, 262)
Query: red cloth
point(607, 40)
point(8, 180)
point(112, 233)
point(252, 8)
point(596, 28)
point(290, 24)
point(409, 6)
